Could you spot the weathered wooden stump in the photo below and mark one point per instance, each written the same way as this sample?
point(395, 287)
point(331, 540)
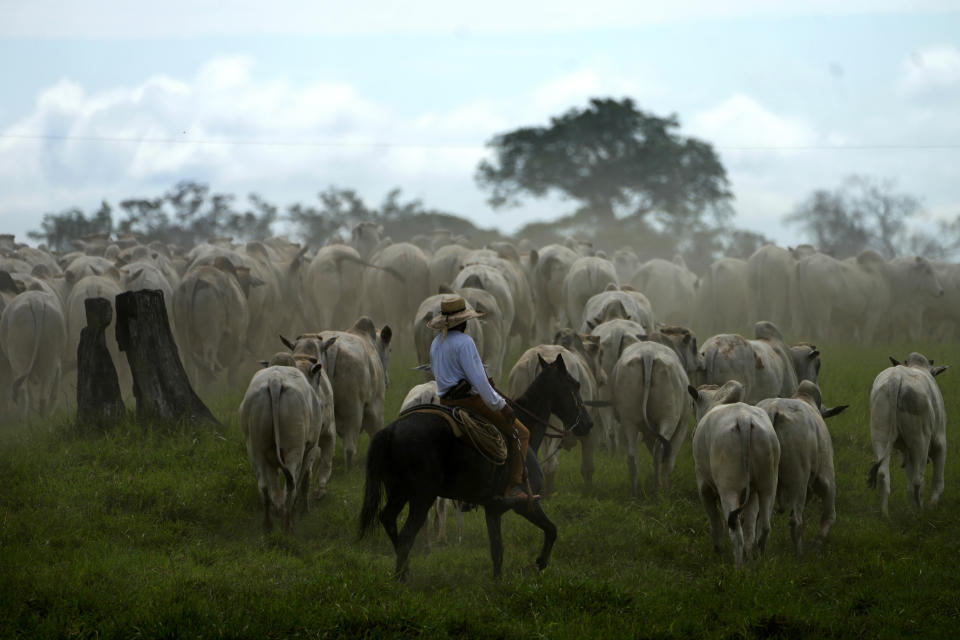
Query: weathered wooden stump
point(98, 389)
point(160, 384)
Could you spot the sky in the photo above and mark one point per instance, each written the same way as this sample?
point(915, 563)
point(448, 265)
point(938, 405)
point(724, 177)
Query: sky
point(105, 99)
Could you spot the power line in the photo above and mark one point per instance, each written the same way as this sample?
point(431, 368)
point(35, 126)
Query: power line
point(403, 145)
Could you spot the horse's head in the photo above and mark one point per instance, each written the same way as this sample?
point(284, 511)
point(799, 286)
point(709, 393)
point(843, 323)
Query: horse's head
point(565, 400)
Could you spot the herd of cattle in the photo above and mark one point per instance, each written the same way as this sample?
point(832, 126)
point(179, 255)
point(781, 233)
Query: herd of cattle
point(622, 326)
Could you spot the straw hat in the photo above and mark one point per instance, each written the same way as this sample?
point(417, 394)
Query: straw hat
point(453, 311)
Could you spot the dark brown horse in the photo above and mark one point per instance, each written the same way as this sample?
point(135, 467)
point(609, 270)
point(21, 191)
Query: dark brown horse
point(417, 458)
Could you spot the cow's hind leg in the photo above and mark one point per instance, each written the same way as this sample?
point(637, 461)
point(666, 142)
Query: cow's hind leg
point(416, 517)
point(939, 454)
point(827, 491)
point(631, 447)
point(709, 499)
point(534, 513)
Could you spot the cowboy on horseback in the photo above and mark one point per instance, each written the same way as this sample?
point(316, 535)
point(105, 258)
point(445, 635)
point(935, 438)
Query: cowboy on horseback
point(463, 382)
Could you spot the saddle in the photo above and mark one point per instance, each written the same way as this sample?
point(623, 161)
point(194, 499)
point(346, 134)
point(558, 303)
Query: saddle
point(469, 427)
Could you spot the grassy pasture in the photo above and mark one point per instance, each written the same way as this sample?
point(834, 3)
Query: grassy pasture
point(146, 532)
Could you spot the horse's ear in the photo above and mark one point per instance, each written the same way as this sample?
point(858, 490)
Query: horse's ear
point(541, 361)
point(559, 362)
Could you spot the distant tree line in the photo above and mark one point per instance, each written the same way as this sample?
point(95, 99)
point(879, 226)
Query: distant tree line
point(636, 180)
point(867, 213)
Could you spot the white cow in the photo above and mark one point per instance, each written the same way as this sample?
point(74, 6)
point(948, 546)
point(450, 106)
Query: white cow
point(723, 296)
point(765, 366)
point(333, 286)
point(617, 303)
point(491, 280)
point(669, 286)
point(549, 270)
point(524, 318)
point(356, 364)
point(32, 337)
point(907, 413)
point(612, 338)
point(282, 421)
point(841, 299)
point(736, 455)
point(323, 467)
point(649, 394)
point(445, 264)
point(586, 277)
point(424, 393)
point(910, 302)
point(772, 286)
point(211, 315)
point(806, 457)
point(394, 289)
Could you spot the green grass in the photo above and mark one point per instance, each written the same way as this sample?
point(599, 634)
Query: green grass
point(153, 532)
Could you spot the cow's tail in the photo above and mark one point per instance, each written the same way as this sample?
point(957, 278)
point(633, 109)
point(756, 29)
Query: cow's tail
point(37, 338)
point(745, 428)
point(647, 382)
point(275, 388)
point(373, 486)
point(888, 448)
point(393, 272)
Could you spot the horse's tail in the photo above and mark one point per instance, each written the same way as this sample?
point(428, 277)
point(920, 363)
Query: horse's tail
point(373, 487)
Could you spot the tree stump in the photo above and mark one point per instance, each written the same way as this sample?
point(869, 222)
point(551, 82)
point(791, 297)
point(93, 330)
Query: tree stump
point(160, 384)
point(98, 389)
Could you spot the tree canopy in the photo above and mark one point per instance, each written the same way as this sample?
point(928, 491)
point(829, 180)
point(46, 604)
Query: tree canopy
point(614, 159)
point(861, 213)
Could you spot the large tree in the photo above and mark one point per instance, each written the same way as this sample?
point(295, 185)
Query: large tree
point(861, 213)
point(614, 159)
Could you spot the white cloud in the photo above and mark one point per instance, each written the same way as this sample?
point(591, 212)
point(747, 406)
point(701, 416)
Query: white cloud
point(931, 70)
point(741, 121)
point(138, 140)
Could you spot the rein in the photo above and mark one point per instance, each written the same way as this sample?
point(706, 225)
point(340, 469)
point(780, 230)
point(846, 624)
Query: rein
point(551, 430)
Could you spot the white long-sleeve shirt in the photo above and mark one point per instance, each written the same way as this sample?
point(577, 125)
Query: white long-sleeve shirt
point(454, 358)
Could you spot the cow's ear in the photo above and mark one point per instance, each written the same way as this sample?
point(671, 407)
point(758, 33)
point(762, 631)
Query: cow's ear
point(692, 390)
point(894, 361)
point(386, 334)
point(315, 370)
point(287, 343)
point(327, 344)
point(835, 411)
point(264, 363)
point(686, 338)
point(938, 370)
point(813, 354)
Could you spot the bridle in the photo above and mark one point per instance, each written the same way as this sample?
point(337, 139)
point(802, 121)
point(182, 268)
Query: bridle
point(551, 429)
